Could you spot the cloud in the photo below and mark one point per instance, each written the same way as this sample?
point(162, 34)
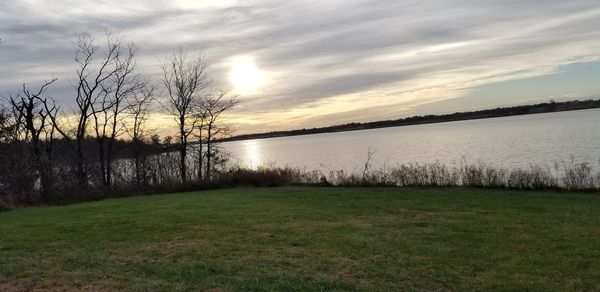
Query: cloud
point(329, 61)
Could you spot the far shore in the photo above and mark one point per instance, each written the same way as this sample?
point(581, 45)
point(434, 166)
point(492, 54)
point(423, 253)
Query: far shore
point(540, 108)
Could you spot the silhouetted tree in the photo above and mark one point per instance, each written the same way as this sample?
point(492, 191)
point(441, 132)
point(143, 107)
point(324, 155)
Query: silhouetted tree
point(138, 111)
point(213, 107)
point(107, 111)
point(33, 112)
point(95, 70)
point(185, 79)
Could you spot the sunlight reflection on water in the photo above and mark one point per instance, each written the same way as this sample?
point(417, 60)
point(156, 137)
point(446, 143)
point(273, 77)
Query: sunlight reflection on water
point(252, 153)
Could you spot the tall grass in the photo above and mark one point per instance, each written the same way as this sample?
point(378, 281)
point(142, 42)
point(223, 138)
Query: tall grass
point(570, 177)
point(566, 177)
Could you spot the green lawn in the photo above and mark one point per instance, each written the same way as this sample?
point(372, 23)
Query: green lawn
point(384, 239)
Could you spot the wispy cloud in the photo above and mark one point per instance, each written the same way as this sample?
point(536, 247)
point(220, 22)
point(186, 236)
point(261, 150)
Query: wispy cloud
point(328, 61)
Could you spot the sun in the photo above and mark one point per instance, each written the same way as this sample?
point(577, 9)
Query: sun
point(245, 76)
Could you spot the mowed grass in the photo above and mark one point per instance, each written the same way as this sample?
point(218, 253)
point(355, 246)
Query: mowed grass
point(304, 238)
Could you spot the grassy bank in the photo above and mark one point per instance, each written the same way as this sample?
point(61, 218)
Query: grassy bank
point(308, 239)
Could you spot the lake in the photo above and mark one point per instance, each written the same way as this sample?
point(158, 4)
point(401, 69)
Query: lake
point(512, 142)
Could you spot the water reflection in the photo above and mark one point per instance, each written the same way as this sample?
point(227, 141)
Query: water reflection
point(252, 153)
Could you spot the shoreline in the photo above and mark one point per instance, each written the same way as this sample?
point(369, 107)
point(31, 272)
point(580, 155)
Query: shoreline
point(534, 109)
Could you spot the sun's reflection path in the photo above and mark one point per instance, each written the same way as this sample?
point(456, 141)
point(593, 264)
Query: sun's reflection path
point(252, 153)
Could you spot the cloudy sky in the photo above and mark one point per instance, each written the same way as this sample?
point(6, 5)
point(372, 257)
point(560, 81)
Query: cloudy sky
point(315, 63)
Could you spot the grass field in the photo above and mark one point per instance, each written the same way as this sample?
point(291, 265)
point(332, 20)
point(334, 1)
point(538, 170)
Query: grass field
point(384, 239)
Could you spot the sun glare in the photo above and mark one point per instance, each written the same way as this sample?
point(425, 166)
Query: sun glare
point(252, 154)
point(245, 76)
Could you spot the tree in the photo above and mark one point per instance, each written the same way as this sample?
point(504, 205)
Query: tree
point(213, 107)
point(94, 72)
point(138, 110)
point(91, 78)
point(33, 113)
point(112, 103)
point(185, 80)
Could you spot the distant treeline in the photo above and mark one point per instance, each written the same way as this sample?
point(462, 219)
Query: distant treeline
point(426, 119)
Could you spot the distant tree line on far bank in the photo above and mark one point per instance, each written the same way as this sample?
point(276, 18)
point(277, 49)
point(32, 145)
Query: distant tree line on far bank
point(546, 107)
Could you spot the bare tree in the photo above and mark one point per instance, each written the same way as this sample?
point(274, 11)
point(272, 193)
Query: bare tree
point(109, 108)
point(33, 113)
point(90, 80)
point(138, 110)
point(95, 68)
point(185, 80)
point(214, 106)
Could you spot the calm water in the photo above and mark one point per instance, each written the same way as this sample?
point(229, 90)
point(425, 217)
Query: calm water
point(508, 142)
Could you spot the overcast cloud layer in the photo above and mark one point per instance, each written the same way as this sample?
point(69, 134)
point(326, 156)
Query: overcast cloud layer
point(328, 61)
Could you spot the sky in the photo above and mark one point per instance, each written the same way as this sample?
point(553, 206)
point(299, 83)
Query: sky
point(297, 64)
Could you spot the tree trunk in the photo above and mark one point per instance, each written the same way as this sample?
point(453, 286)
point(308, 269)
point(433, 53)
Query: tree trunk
point(208, 152)
point(137, 162)
point(102, 161)
point(81, 175)
point(46, 178)
point(42, 171)
point(109, 156)
point(182, 167)
point(200, 160)
point(182, 149)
